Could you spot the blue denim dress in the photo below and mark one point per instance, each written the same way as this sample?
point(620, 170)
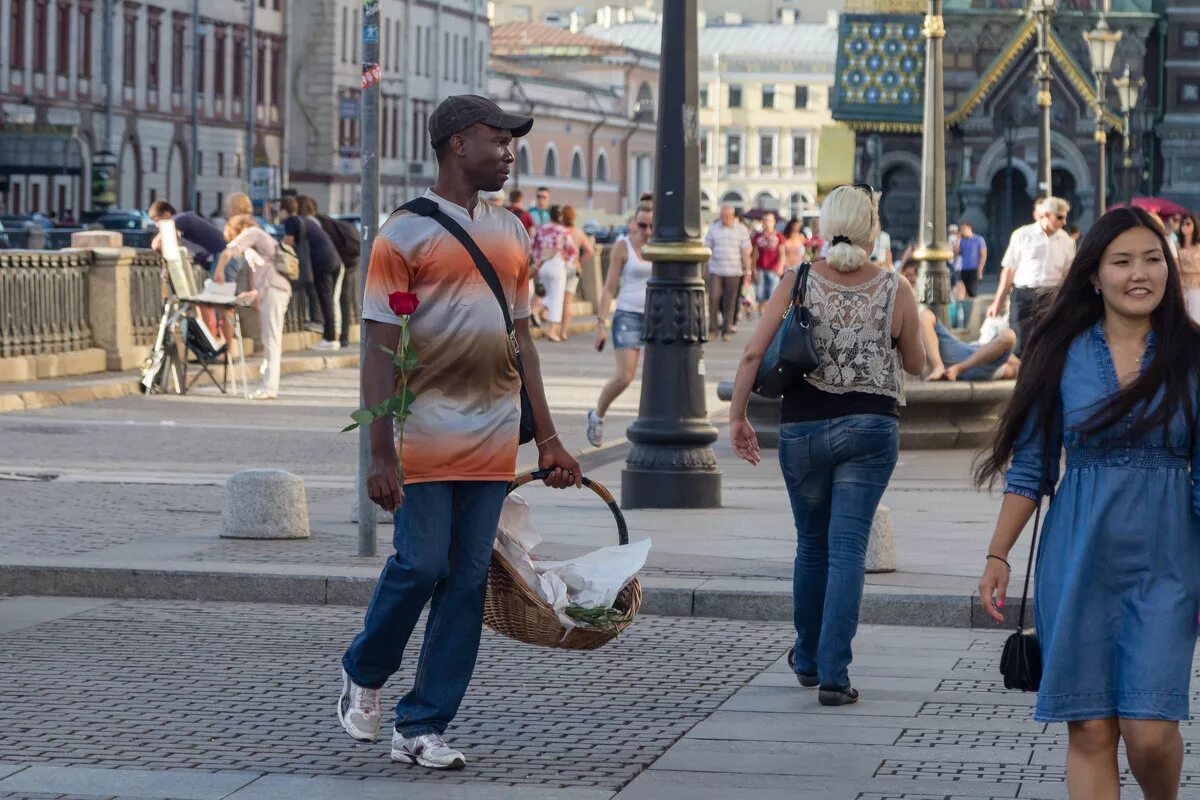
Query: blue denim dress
point(1116, 587)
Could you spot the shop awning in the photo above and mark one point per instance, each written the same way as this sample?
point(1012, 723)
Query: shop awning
point(27, 153)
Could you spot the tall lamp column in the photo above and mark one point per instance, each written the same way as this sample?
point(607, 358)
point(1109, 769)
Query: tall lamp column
point(1044, 11)
point(1128, 93)
point(671, 464)
point(1102, 46)
point(934, 254)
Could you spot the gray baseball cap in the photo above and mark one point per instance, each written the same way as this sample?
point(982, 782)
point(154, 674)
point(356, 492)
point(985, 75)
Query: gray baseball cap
point(457, 113)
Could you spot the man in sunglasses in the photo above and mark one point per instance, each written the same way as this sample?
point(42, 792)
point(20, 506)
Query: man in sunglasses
point(1033, 267)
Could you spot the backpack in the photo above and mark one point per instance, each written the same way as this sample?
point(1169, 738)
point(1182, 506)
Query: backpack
point(345, 238)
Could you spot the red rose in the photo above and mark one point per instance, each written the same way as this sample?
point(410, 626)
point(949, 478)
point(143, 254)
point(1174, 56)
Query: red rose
point(403, 304)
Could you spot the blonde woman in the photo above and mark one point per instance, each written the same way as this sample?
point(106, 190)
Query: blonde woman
point(270, 290)
point(839, 435)
point(628, 273)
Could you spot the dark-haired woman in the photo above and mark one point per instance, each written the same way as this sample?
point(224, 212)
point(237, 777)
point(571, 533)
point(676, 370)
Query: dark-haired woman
point(1189, 263)
point(1111, 374)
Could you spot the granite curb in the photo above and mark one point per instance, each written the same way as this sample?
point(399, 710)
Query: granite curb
point(750, 599)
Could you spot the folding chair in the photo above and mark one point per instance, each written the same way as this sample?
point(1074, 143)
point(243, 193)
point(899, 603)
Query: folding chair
point(207, 351)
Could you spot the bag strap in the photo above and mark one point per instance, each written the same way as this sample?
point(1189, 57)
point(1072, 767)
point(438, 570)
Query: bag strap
point(423, 206)
point(1045, 489)
point(800, 287)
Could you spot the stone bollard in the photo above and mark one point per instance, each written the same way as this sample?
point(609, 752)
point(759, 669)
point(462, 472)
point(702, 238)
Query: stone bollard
point(264, 504)
point(881, 547)
point(381, 517)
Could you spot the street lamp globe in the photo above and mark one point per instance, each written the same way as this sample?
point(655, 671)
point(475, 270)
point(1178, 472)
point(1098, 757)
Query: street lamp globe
point(1128, 90)
point(1102, 46)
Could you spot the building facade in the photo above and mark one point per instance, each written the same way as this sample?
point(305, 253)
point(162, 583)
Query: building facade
point(1178, 131)
point(594, 108)
point(767, 139)
point(992, 113)
point(579, 13)
point(174, 117)
point(429, 49)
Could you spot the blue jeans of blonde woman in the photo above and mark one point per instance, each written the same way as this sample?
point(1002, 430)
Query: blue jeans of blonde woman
point(836, 471)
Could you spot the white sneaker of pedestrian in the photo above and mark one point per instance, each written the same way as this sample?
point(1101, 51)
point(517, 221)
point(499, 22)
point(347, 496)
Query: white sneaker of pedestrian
point(595, 428)
point(262, 394)
point(428, 750)
point(358, 710)
point(327, 345)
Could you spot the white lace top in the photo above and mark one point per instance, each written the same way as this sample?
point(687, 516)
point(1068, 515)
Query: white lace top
point(853, 335)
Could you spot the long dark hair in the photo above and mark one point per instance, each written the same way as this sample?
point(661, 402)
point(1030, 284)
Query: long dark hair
point(1195, 237)
point(1077, 307)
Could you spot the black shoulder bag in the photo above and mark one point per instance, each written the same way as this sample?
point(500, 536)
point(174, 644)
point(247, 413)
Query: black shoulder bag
point(425, 207)
point(1021, 660)
point(792, 353)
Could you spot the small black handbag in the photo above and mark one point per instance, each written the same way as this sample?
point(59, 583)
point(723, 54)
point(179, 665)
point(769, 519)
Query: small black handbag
point(793, 353)
point(1021, 659)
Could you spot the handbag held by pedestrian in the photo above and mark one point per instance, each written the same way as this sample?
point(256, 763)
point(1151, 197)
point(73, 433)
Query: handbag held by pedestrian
point(792, 354)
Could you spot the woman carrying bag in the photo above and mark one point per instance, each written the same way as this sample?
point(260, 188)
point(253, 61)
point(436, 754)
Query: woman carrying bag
point(554, 251)
point(839, 427)
point(1112, 374)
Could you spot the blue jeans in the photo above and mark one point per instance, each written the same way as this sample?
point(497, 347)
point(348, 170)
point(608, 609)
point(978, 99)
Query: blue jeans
point(765, 284)
point(836, 471)
point(443, 538)
point(953, 351)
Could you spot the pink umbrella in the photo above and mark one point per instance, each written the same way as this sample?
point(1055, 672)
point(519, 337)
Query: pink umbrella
point(1159, 205)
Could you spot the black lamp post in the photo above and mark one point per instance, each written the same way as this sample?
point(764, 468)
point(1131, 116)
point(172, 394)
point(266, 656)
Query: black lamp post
point(1044, 11)
point(671, 464)
point(1102, 46)
point(1010, 142)
point(1128, 91)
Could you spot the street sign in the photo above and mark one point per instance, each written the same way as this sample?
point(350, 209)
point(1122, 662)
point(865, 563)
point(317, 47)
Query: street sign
point(264, 184)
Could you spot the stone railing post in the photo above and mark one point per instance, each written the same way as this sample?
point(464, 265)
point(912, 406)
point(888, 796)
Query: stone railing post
point(112, 320)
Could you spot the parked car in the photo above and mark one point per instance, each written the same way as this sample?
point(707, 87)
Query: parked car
point(20, 222)
point(128, 219)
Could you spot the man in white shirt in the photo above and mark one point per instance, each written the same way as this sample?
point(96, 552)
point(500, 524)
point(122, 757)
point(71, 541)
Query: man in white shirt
point(1034, 265)
point(729, 267)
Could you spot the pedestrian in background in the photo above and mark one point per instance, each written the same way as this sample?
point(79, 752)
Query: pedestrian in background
point(553, 251)
point(839, 435)
point(1189, 263)
point(459, 450)
point(271, 293)
point(315, 248)
point(515, 199)
point(794, 243)
point(767, 255)
point(203, 240)
point(1111, 375)
point(347, 243)
point(728, 269)
point(583, 249)
point(540, 213)
point(1033, 267)
point(628, 273)
point(971, 258)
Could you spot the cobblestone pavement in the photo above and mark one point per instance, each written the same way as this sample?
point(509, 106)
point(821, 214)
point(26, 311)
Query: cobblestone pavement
point(238, 687)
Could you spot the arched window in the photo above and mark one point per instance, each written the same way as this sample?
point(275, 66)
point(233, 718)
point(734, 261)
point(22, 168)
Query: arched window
point(577, 166)
point(602, 167)
point(734, 199)
point(766, 201)
point(523, 167)
point(551, 170)
point(643, 110)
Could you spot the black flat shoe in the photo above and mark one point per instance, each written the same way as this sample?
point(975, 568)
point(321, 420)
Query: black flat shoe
point(807, 680)
point(836, 697)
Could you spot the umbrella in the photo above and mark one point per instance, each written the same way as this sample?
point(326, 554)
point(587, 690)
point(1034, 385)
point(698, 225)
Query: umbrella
point(1159, 205)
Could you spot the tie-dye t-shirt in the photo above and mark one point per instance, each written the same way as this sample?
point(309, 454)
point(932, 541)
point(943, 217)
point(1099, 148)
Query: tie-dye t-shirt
point(466, 417)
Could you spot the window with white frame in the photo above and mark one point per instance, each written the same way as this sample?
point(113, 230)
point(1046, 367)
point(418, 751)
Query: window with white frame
point(800, 151)
point(735, 95)
point(768, 95)
point(733, 151)
point(704, 95)
point(766, 150)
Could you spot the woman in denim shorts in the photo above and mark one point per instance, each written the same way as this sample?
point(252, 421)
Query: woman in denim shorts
point(628, 273)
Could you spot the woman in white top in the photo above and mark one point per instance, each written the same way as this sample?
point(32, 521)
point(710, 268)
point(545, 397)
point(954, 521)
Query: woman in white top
point(839, 428)
point(270, 290)
point(629, 271)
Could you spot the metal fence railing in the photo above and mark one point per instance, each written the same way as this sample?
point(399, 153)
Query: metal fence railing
point(43, 302)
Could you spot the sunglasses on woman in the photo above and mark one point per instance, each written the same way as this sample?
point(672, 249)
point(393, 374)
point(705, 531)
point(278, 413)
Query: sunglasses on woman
point(644, 226)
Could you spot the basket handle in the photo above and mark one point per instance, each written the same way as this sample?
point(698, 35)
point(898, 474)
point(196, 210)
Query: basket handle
point(599, 488)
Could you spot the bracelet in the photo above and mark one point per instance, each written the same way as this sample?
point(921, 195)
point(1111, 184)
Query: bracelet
point(549, 438)
point(1002, 561)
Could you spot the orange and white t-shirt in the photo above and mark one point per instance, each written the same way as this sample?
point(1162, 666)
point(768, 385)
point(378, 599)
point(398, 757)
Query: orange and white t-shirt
point(466, 417)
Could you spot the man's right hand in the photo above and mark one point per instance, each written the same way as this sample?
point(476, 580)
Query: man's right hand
point(994, 309)
point(383, 484)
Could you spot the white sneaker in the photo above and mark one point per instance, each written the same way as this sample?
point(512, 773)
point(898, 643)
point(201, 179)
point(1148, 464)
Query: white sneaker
point(358, 710)
point(262, 394)
point(428, 750)
point(595, 428)
point(327, 345)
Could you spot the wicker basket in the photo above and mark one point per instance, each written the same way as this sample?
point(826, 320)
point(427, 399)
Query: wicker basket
point(513, 609)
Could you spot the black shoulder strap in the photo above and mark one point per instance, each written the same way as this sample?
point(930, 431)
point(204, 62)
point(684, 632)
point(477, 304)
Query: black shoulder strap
point(800, 288)
point(1051, 453)
point(425, 207)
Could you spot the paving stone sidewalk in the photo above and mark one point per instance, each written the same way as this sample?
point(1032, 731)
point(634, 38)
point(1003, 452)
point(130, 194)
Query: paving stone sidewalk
point(156, 700)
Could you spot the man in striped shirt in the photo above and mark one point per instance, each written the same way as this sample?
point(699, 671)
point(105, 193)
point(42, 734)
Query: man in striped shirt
point(729, 267)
